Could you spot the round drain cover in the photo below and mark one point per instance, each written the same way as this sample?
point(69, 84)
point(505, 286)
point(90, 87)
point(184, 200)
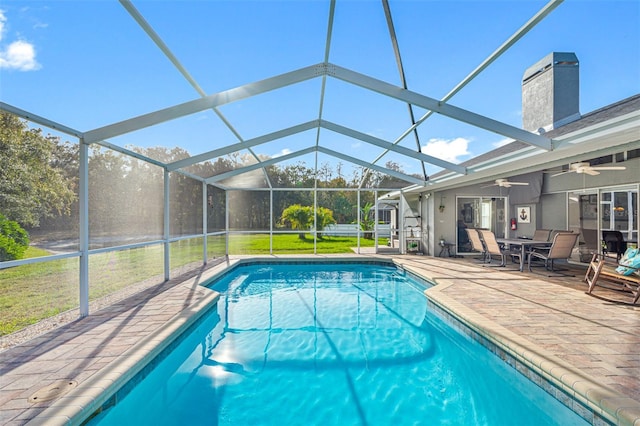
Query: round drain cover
point(53, 391)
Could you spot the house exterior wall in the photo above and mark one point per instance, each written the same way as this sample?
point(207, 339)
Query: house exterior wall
point(553, 211)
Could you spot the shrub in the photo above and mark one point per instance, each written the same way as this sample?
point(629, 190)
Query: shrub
point(14, 240)
point(301, 218)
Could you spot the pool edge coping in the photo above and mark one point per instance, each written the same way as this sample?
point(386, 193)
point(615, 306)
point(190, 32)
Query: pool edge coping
point(77, 406)
point(614, 407)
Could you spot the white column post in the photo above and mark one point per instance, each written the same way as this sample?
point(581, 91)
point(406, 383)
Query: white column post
point(401, 234)
point(204, 223)
point(226, 222)
point(315, 216)
point(83, 197)
point(358, 211)
point(167, 222)
point(375, 220)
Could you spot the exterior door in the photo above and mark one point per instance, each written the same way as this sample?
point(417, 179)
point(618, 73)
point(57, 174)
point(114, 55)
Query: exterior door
point(619, 212)
point(479, 212)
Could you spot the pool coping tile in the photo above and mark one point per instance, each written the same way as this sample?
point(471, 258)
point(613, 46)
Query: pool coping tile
point(614, 407)
point(83, 401)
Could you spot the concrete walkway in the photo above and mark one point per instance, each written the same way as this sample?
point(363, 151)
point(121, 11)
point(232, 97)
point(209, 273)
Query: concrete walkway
point(588, 347)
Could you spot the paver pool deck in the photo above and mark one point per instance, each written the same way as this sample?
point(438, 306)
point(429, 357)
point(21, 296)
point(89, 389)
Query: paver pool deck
point(586, 346)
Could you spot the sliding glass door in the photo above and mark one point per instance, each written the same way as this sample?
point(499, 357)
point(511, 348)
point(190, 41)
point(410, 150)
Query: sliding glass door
point(619, 213)
point(583, 219)
point(619, 219)
point(480, 212)
point(607, 220)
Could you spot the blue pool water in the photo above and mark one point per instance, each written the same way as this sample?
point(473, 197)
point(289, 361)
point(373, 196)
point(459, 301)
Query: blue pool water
point(322, 344)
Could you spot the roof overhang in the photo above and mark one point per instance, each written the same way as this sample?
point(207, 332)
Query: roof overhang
point(618, 134)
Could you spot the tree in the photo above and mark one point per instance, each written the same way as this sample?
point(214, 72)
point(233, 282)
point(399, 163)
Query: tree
point(367, 223)
point(298, 217)
point(301, 218)
point(31, 186)
point(14, 240)
point(324, 218)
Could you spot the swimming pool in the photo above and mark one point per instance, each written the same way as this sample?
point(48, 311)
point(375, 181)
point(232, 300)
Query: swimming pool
point(348, 344)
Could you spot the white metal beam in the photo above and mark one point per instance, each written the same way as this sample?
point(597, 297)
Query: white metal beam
point(242, 145)
point(391, 147)
point(371, 166)
point(83, 218)
point(135, 14)
point(208, 102)
point(146, 27)
point(403, 80)
point(130, 153)
point(443, 108)
point(166, 225)
point(531, 23)
point(245, 169)
point(205, 257)
point(40, 120)
point(571, 147)
point(308, 150)
point(146, 159)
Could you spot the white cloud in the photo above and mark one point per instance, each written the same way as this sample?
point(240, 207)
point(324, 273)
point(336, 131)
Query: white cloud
point(285, 151)
point(19, 55)
point(447, 149)
point(3, 19)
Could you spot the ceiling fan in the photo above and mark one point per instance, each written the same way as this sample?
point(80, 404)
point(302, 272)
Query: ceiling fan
point(587, 169)
point(504, 183)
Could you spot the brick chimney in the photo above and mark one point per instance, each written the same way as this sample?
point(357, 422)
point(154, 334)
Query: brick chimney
point(550, 92)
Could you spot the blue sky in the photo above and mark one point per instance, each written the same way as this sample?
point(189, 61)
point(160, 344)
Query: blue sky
point(87, 64)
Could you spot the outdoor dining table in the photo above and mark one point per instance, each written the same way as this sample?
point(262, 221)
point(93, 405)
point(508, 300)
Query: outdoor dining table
point(524, 244)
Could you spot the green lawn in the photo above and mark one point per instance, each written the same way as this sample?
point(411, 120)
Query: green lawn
point(292, 244)
point(29, 293)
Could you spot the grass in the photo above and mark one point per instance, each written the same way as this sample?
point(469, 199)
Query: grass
point(30, 293)
point(292, 244)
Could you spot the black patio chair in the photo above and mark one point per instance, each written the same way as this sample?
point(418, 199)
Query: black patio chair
point(614, 243)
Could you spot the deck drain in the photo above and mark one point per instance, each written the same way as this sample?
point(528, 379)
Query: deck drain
point(53, 391)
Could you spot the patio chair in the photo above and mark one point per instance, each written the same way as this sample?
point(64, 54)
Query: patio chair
point(561, 248)
point(606, 273)
point(553, 233)
point(494, 249)
point(550, 236)
point(614, 243)
point(589, 245)
point(541, 234)
point(463, 239)
point(476, 243)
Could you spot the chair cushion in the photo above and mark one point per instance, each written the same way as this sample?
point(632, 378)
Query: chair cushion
point(631, 258)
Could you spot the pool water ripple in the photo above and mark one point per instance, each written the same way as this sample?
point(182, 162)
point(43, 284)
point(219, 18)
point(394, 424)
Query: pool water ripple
point(331, 345)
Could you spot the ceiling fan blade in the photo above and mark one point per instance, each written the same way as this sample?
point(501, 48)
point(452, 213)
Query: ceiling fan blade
point(586, 169)
point(489, 186)
point(519, 183)
point(589, 171)
point(609, 168)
